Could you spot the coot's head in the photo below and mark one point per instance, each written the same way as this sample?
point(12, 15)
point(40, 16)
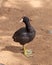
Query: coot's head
point(24, 19)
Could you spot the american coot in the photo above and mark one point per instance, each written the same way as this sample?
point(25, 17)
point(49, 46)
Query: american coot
point(25, 34)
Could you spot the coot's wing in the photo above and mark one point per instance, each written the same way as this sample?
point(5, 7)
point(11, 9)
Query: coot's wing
point(21, 36)
point(18, 32)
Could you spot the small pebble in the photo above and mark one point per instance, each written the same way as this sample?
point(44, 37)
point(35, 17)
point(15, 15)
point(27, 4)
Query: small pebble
point(50, 31)
point(1, 64)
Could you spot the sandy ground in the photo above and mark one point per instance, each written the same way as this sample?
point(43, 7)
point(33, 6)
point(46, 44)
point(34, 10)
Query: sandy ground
point(40, 12)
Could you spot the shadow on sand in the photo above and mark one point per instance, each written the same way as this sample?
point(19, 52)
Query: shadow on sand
point(14, 49)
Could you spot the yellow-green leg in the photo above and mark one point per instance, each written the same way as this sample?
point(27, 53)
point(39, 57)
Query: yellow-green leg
point(24, 50)
point(27, 52)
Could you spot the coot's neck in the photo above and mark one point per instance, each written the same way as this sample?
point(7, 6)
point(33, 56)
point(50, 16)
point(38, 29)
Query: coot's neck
point(28, 26)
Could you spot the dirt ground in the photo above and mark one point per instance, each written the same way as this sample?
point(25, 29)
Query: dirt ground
point(40, 12)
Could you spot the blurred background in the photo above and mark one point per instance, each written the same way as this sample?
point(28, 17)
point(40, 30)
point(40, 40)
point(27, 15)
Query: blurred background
point(40, 12)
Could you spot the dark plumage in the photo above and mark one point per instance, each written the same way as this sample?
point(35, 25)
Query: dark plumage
point(25, 34)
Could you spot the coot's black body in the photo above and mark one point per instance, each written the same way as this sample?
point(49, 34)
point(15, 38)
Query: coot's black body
point(25, 34)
